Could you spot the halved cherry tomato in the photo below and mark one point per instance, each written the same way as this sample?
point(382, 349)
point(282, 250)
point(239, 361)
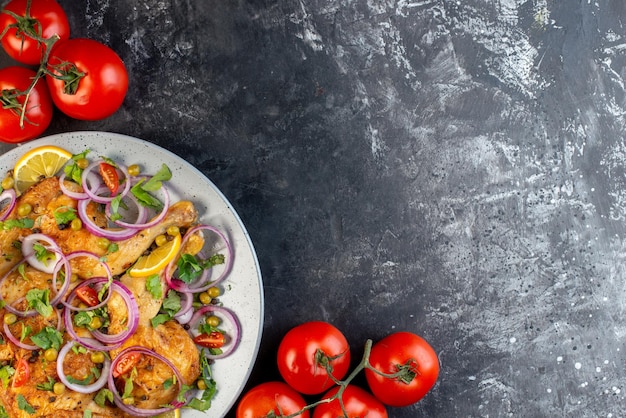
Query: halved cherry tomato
point(126, 363)
point(213, 340)
point(87, 295)
point(110, 177)
point(22, 373)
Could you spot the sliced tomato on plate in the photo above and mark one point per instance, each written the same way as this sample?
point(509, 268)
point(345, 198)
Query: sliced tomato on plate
point(126, 363)
point(215, 339)
point(110, 177)
point(22, 373)
point(88, 296)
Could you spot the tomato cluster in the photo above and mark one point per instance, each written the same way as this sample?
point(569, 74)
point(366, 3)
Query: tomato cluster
point(314, 357)
point(83, 78)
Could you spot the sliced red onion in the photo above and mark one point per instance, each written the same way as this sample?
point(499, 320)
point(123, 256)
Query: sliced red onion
point(132, 410)
point(90, 225)
point(133, 317)
point(89, 282)
point(200, 285)
point(17, 342)
point(186, 309)
point(92, 179)
point(142, 213)
point(230, 317)
point(12, 197)
point(93, 191)
point(28, 243)
point(142, 224)
point(95, 386)
point(64, 262)
point(105, 342)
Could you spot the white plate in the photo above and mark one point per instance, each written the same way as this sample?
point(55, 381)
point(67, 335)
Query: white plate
point(243, 287)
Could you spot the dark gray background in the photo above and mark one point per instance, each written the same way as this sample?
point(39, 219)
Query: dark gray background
point(450, 168)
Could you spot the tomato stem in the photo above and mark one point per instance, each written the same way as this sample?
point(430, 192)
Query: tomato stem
point(405, 373)
point(25, 26)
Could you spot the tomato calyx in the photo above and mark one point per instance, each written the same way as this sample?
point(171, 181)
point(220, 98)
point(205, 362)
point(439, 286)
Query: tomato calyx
point(69, 73)
point(406, 372)
point(25, 26)
point(324, 360)
point(9, 100)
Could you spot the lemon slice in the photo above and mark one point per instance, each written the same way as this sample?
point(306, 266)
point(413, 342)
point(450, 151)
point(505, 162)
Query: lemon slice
point(38, 163)
point(171, 414)
point(157, 260)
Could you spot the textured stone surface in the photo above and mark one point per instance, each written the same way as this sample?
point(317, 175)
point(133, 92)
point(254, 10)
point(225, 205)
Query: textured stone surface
point(450, 168)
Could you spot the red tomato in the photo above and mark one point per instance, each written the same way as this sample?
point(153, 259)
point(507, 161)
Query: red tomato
point(100, 82)
point(402, 350)
point(358, 404)
point(87, 295)
point(50, 20)
point(213, 340)
point(126, 363)
point(39, 108)
point(271, 397)
point(110, 177)
point(305, 348)
point(22, 373)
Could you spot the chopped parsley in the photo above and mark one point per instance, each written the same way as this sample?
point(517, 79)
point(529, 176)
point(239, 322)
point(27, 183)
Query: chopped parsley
point(171, 305)
point(72, 170)
point(190, 267)
point(204, 402)
point(24, 223)
point(23, 404)
point(5, 374)
point(103, 396)
point(48, 386)
point(63, 215)
point(48, 338)
point(142, 189)
point(153, 285)
point(42, 253)
point(39, 300)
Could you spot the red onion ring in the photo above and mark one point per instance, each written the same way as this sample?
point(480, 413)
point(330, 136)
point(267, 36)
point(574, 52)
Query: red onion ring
point(186, 309)
point(142, 224)
point(92, 179)
point(133, 317)
point(111, 234)
point(11, 195)
point(142, 214)
point(132, 410)
point(92, 190)
point(17, 342)
point(64, 262)
point(93, 280)
point(97, 385)
point(101, 341)
point(28, 243)
point(230, 317)
point(181, 286)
